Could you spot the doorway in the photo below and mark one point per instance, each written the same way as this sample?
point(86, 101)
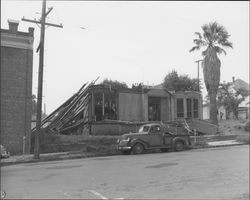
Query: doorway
point(154, 108)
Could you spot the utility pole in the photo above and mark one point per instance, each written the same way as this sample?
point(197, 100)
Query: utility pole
point(198, 61)
point(40, 48)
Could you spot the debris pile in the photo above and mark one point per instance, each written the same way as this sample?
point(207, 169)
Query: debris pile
point(71, 114)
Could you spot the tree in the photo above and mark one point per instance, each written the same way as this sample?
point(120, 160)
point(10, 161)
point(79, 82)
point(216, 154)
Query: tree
point(230, 99)
point(214, 37)
point(174, 82)
point(114, 84)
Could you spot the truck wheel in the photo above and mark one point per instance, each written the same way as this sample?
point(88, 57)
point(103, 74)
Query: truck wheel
point(164, 150)
point(179, 146)
point(137, 148)
point(126, 152)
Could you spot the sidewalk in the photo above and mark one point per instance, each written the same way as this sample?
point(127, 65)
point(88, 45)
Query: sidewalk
point(77, 154)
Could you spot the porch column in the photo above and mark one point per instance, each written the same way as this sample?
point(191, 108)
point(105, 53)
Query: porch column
point(103, 104)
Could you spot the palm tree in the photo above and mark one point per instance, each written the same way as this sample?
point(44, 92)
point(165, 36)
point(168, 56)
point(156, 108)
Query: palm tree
point(214, 37)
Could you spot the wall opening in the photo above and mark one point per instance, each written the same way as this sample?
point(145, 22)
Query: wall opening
point(154, 109)
point(105, 106)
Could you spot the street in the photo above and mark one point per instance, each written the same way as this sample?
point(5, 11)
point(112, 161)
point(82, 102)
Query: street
point(215, 173)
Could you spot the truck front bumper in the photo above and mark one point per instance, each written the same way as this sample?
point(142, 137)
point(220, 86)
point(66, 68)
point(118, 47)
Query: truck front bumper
point(123, 148)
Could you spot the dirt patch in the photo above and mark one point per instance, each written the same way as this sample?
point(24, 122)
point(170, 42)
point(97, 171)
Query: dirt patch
point(236, 127)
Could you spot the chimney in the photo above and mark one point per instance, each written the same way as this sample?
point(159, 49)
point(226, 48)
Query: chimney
point(233, 79)
point(13, 25)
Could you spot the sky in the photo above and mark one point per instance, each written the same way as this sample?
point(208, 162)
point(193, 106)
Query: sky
point(127, 41)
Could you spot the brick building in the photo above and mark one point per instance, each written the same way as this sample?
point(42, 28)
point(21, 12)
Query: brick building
point(16, 88)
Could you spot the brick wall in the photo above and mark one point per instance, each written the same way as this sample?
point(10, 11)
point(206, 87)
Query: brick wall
point(16, 91)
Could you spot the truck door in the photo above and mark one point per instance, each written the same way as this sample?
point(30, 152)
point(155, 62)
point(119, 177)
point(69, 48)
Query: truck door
point(167, 138)
point(155, 136)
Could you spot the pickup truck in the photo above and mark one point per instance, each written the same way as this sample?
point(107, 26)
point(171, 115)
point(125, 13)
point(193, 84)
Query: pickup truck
point(153, 136)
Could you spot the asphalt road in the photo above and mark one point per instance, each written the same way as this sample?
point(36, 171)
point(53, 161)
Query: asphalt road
point(217, 173)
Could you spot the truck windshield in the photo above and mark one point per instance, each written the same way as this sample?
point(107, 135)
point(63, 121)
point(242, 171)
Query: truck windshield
point(144, 129)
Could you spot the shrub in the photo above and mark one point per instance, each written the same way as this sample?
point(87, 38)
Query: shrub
point(247, 126)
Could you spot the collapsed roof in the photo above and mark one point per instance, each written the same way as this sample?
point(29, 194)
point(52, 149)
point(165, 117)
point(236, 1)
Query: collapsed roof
point(72, 113)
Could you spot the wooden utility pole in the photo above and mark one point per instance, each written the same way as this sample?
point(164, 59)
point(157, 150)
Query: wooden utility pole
point(198, 61)
point(40, 48)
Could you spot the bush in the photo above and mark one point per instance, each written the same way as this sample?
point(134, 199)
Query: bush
point(247, 126)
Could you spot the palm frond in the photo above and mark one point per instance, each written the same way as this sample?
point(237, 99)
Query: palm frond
point(220, 50)
point(199, 35)
point(194, 48)
point(207, 34)
point(199, 42)
point(204, 53)
point(227, 44)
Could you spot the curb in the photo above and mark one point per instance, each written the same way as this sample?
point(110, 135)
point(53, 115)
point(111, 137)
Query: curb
point(215, 146)
point(46, 159)
point(56, 158)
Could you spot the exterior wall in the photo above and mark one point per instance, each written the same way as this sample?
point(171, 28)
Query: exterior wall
point(164, 109)
point(205, 112)
point(16, 90)
point(133, 105)
point(144, 107)
point(130, 107)
point(113, 128)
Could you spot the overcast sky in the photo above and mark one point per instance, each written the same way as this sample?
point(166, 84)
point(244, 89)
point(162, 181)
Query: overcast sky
point(130, 41)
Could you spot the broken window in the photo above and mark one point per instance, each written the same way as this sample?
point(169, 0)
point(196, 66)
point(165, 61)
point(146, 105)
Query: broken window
point(180, 108)
point(105, 106)
point(110, 106)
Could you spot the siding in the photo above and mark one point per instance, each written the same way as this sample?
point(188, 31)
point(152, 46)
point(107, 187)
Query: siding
point(130, 107)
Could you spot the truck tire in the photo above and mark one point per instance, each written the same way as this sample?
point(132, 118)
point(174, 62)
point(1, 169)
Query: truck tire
point(138, 148)
point(179, 145)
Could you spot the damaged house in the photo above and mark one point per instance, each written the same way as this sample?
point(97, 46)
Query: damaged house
point(101, 109)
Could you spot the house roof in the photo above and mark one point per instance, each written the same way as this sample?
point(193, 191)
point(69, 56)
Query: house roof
point(160, 86)
point(240, 84)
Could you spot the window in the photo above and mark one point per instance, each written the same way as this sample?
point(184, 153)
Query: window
point(180, 108)
point(195, 108)
point(144, 129)
point(189, 108)
point(155, 129)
